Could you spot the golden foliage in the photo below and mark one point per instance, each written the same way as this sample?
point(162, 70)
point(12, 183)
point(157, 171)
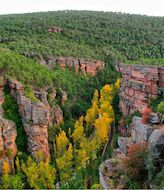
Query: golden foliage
point(79, 130)
point(64, 156)
point(5, 168)
point(40, 175)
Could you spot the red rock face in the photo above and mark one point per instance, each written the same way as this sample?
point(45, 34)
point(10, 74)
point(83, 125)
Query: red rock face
point(85, 66)
point(36, 118)
point(161, 77)
point(139, 84)
point(8, 134)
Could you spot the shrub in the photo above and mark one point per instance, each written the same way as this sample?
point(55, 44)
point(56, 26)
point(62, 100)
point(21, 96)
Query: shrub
point(146, 115)
point(9, 153)
point(160, 107)
point(159, 180)
point(29, 94)
point(97, 186)
point(134, 164)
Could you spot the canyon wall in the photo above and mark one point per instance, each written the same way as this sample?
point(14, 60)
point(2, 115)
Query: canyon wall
point(8, 134)
point(139, 84)
point(37, 116)
point(85, 66)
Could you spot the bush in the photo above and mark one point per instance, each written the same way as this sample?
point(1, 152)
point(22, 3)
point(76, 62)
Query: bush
point(134, 164)
point(160, 107)
point(9, 153)
point(29, 94)
point(97, 186)
point(159, 180)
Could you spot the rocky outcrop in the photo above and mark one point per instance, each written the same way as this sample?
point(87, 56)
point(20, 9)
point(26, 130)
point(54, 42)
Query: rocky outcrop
point(139, 84)
point(156, 143)
point(140, 132)
point(8, 134)
point(151, 134)
point(63, 97)
point(36, 117)
point(55, 29)
point(85, 66)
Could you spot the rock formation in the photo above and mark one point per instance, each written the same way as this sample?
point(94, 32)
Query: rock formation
point(139, 84)
point(8, 134)
point(54, 29)
point(36, 117)
point(149, 133)
point(86, 66)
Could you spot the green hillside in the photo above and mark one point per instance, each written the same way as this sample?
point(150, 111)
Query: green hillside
point(85, 34)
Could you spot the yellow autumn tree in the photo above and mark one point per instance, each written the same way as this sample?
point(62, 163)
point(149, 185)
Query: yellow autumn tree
point(103, 126)
point(78, 132)
point(93, 111)
point(40, 175)
point(99, 117)
point(117, 84)
point(5, 168)
point(63, 156)
point(17, 163)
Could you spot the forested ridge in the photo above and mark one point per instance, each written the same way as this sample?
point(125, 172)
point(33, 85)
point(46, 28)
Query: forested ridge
point(84, 34)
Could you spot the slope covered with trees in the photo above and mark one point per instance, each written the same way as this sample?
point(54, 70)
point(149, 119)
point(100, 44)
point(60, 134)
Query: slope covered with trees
point(84, 34)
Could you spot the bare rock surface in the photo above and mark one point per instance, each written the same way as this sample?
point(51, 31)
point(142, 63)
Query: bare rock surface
point(8, 134)
point(156, 142)
point(139, 84)
point(85, 66)
point(140, 132)
point(36, 117)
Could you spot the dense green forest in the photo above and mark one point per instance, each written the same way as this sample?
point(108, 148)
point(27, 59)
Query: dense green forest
point(87, 34)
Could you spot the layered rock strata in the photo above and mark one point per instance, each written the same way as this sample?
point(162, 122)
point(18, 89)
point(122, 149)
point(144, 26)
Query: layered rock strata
point(139, 84)
point(85, 66)
point(8, 134)
point(36, 117)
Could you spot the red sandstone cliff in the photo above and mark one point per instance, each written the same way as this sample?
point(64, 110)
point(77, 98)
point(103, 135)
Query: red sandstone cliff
point(36, 117)
point(86, 66)
point(139, 84)
point(8, 134)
